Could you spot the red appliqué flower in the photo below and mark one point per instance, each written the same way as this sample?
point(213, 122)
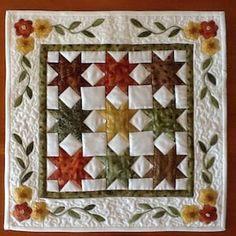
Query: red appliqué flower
point(208, 29)
point(24, 28)
point(22, 212)
point(208, 214)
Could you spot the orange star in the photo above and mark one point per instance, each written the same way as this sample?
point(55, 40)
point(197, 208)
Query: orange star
point(69, 168)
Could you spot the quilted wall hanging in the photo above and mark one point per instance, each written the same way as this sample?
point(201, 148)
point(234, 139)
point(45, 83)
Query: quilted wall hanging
point(115, 121)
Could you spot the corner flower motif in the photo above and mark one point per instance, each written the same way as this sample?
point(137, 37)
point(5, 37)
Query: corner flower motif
point(192, 30)
point(210, 46)
point(39, 211)
point(208, 196)
point(190, 213)
point(24, 28)
point(25, 45)
point(22, 212)
point(42, 28)
point(208, 29)
point(22, 194)
point(208, 214)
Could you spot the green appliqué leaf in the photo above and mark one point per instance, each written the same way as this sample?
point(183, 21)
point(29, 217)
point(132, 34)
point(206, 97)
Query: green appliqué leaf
point(88, 33)
point(145, 34)
point(135, 217)
point(98, 217)
point(174, 211)
point(206, 63)
point(26, 61)
point(214, 140)
point(73, 214)
point(159, 214)
point(29, 148)
point(202, 146)
point(211, 78)
point(18, 138)
point(98, 22)
point(145, 206)
point(210, 163)
point(20, 163)
point(206, 178)
point(174, 32)
point(136, 23)
point(18, 101)
point(89, 207)
point(26, 177)
point(160, 26)
point(59, 30)
point(29, 92)
point(214, 102)
point(203, 92)
point(59, 210)
point(22, 75)
point(74, 25)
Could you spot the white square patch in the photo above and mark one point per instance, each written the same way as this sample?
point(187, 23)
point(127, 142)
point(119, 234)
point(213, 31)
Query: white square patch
point(140, 97)
point(141, 143)
point(94, 144)
point(93, 98)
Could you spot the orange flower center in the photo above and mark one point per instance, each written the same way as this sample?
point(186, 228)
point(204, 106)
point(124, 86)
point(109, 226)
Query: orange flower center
point(42, 28)
point(26, 43)
point(192, 214)
point(194, 30)
point(209, 198)
point(39, 211)
point(23, 195)
point(211, 45)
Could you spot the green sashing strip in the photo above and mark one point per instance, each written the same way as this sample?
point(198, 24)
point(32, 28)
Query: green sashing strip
point(43, 115)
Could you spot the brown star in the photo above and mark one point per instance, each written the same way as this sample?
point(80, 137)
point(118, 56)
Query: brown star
point(165, 167)
point(69, 74)
point(164, 72)
point(69, 168)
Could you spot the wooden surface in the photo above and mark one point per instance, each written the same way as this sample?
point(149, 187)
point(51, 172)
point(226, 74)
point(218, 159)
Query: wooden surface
point(226, 5)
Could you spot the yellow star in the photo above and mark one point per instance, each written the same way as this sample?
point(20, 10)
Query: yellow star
point(117, 120)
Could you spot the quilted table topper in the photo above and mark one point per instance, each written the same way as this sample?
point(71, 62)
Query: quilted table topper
point(115, 121)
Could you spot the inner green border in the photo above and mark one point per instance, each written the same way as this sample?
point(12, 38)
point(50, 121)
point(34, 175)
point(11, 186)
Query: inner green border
point(43, 115)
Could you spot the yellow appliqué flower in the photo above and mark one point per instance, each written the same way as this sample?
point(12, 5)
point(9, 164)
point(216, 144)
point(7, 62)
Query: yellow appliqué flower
point(25, 45)
point(192, 30)
point(208, 196)
point(39, 211)
point(42, 28)
point(190, 213)
point(22, 194)
point(210, 46)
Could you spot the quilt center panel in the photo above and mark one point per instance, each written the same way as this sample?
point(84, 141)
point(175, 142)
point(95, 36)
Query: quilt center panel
point(116, 120)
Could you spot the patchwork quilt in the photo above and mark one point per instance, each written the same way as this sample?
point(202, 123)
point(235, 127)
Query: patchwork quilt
point(115, 121)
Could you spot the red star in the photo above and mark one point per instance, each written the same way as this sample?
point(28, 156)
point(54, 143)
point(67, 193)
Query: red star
point(116, 73)
point(69, 74)
point(69, 168)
